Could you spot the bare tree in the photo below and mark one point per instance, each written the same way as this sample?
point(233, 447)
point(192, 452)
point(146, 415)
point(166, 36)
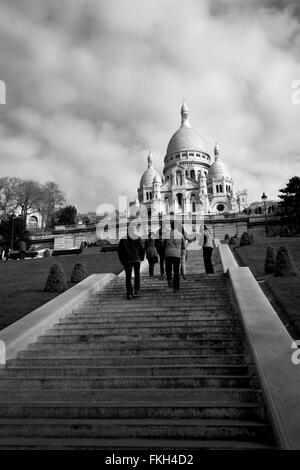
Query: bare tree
point(8, 196)
point(29, 196)
point(52, 199)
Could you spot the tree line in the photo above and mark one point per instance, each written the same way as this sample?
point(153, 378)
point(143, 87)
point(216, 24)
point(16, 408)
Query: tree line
point(20, 197)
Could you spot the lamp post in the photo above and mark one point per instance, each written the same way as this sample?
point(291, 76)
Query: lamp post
point(264, 200)
point(239, 203)
point(12, 231)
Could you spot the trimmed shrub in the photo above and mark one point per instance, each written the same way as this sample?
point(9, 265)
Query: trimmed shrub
point(79, 273)
point(246, 239)
point(285, 265)
point(56, 281)
point(47, 253)
point(270, 260)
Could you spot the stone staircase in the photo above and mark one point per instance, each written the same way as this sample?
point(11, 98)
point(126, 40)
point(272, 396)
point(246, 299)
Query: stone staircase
point(163, 371)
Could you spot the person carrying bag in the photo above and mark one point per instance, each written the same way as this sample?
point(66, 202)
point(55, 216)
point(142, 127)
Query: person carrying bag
point(151, 253)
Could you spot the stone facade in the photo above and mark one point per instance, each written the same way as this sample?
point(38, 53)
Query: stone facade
point(191, 182)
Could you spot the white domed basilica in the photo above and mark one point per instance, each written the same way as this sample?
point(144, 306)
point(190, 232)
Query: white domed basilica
point(191, 182)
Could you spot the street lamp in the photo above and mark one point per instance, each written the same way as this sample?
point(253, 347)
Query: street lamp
point(12, 231)
point(239, 203)
point(264, 200)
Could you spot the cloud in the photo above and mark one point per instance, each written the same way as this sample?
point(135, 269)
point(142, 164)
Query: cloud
point(92, 85)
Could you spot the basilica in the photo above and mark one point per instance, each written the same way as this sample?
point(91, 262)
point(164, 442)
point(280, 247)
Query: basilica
point(191, 183)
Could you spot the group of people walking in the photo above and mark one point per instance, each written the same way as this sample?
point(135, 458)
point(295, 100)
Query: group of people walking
point(169, 249)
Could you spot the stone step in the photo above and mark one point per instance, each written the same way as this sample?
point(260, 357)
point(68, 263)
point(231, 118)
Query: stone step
point(136, 311)
point(193, 276)
point(84, 350)
point(90, 361)
point(121, 395)
point(163, 288)
point(157, 280)
point(168, 293)
point(181, 331)
point(162, 320)
point(178, 339)
point(155, 303)
point(98, 323)
point(108, 317)
point(130, 444)
point(138, 345)
point(125, 381)
point(147, 410)
point(205, 429)
point(128, 371)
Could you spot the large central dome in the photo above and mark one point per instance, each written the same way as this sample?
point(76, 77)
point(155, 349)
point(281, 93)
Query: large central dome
point(186, 138)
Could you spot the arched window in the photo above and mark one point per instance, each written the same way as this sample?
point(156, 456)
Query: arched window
point(193, 203)
point(33, 222)
point(179, 201)
point(167, 202)
point(193, 174)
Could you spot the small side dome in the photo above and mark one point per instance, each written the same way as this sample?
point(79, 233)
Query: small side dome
point(150, 174)
point(218, 170)
point(157, 178)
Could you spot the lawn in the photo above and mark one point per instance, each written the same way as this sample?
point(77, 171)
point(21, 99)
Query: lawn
point(22, 282)
point(285, 290)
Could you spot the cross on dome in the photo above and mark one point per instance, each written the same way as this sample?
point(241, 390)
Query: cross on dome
point(217, 151)
point(150, 159)
point(185, 114)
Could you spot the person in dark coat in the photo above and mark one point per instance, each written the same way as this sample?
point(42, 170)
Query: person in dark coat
point(208, 248)
point(160, 247)
point(131, 252)
point(151, 253)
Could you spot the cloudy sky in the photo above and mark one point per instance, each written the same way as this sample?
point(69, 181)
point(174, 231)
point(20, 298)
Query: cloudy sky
point(93, 84)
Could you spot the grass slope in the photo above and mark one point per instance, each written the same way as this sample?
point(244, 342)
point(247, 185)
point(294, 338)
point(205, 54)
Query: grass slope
point(286, 290)
point(22, 282)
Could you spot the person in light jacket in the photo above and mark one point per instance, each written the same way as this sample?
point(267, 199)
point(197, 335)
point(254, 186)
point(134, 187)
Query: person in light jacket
point(208, 250)
point(183, 258)
point(173, 246)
